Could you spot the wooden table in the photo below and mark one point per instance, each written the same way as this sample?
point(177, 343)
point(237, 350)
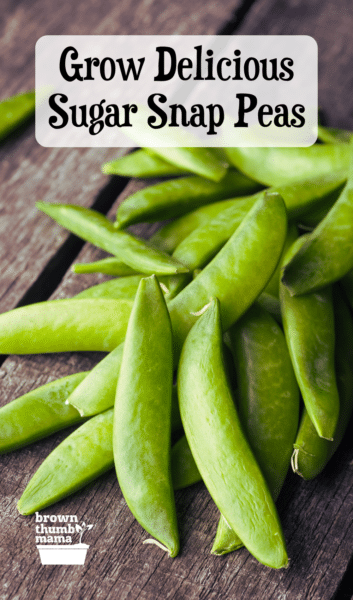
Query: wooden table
point(35, 264)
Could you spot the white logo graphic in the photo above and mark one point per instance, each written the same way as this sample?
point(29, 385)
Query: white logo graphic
point(54, 542)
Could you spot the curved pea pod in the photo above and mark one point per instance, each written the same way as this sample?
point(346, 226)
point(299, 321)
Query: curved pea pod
point(14, 111)
point(38, 413)
point(94, 227)
point(65, 326)
point(238, 273)
point(327, 254)
point(267, 401)
point(311, 452)
point(83, 456)
point(308, 323)
point(108, 266)
point(201, 161)
point(141, 163)
point(79, 459)
point(142, 415)
point(278, 166)
point(218, 444)
point(184, 469)
point(176, 197)
point(168, 237)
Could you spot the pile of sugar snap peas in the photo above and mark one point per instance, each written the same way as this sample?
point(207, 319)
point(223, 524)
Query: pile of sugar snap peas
point(253, 277)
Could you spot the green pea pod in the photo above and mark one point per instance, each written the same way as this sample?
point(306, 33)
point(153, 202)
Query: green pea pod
point(79, 459)
point(201, 161)
point(168, 237)
point(254, 249)
point(308, 323)
point(38, 413)
point(108, 266)
point(124, 287)
point(141, 163)
point(332, 135)
point(176, 197)
point(184, 469)
point(82, 457)
point(94, 227)
point(278, 166)
point(327, 254)
point(311, 452)
point(272, 287)
point(65, 326)
point(96, 392)
point(14, 111)
point(141, 435)
point(219, 447)
point(267, 400)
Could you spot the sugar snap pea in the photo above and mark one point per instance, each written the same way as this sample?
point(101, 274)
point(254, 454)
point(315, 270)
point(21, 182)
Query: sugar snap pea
point(38, 413)
point(141, 163)
point(311, 452)
point(201, 161)
point(261, 234)
point(219, 446)
point(327, 254)
point(109, 266)
point(308, 323)
point(79, 459)
point(176, 197)
point(267, 401)
point(96, 392)
point(65, 326)
point(14, 111)
point(277, 166)
point(141, 433)
point(97, 229)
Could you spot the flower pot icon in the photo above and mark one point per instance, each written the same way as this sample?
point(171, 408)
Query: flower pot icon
point(56, 554)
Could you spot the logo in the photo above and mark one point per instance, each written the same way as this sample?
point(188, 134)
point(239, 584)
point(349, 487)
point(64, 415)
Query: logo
point(54, 537)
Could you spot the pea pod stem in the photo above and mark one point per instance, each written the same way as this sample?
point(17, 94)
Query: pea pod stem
point(97, 229)
point(219, 447)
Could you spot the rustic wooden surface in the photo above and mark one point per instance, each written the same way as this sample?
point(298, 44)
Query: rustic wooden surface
point(36, 255)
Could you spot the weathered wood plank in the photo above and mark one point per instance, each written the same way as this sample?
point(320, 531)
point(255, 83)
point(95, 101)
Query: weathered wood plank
point(29, 172)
